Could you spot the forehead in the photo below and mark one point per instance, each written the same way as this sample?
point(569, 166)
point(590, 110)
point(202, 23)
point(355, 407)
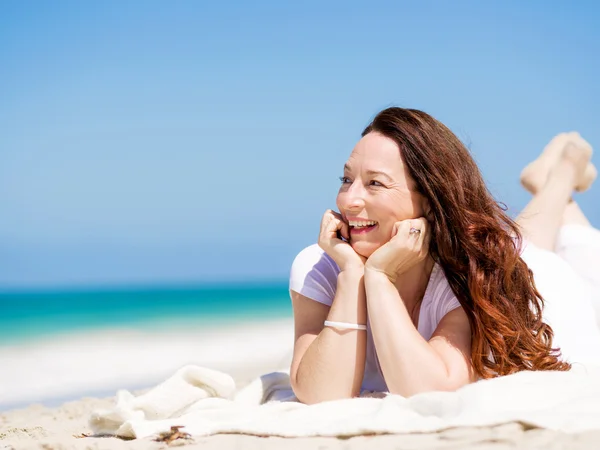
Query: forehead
point(376, 152)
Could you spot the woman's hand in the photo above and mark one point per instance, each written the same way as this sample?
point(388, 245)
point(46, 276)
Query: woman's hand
point(341, 252)
point(408, 246)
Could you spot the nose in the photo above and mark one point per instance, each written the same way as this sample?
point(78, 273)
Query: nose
point(354, 198)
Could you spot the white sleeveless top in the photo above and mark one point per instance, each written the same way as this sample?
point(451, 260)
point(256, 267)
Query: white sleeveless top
point(314, 275)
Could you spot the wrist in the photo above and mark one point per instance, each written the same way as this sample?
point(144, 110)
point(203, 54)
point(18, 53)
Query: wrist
point(356, 269)
point(375, 274)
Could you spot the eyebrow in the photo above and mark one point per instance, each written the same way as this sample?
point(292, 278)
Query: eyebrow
point(370, 172)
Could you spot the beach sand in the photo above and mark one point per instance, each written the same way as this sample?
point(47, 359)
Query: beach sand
point(38, 427)
point(113, 360)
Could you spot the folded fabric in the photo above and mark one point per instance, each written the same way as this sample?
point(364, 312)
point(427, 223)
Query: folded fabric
point(206, 402)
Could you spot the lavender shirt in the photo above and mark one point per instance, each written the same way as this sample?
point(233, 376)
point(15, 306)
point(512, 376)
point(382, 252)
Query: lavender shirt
point(314, 275)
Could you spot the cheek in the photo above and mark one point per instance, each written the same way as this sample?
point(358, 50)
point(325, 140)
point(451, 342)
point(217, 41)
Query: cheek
point(339, 201)
point(403, 206)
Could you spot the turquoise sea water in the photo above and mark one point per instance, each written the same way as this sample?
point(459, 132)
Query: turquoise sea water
point(34, 315)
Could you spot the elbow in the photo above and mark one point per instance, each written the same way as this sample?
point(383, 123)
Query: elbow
point(309, 398)
point(311, 394)
point(441, 378)
point(409, 391)
point(303, 395)
point(442, 385)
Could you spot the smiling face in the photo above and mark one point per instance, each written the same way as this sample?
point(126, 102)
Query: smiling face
point(376, 192)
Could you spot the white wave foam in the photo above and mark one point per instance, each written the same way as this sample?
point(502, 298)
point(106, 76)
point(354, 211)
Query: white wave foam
point(107, 360)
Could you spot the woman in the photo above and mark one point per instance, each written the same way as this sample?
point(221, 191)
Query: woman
point(422, 283)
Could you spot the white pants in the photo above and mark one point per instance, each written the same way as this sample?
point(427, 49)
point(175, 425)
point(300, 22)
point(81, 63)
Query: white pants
point(569, 282)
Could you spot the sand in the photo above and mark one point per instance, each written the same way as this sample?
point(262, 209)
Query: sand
point(107, 361)
point(39, 427)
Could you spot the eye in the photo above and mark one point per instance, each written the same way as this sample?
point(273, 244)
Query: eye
point(345, 180)
point(375, 183)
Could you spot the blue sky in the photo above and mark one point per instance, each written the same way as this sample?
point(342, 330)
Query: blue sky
point(181, 142)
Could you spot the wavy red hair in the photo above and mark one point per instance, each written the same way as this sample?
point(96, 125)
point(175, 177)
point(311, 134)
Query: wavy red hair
point(477, 245)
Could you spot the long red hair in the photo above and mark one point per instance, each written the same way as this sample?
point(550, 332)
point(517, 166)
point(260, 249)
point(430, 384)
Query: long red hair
point(477, 245)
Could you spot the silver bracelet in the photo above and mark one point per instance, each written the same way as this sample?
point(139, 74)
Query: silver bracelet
point(345, 325)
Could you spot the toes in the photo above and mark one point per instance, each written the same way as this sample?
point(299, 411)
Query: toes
point(588, 178)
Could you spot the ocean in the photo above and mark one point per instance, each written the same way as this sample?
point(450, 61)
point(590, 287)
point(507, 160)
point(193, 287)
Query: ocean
point(60, 345)
point(34, 315)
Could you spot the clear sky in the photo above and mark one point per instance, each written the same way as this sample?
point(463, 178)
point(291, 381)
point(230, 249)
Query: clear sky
point(165, 142)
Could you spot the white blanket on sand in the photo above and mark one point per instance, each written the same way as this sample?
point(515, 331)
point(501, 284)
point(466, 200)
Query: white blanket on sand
point(206, 402)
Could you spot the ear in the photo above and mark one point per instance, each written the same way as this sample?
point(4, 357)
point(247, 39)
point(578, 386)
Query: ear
point(427, 212)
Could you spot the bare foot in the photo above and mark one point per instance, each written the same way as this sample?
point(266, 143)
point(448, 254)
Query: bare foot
point(587, 173)
point(535, 174)
point(573, 162)
point(589, 176)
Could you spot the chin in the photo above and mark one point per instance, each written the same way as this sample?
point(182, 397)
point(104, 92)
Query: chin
point(365, 249)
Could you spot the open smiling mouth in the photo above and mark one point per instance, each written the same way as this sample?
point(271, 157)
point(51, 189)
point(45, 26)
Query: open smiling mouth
point(362, 228)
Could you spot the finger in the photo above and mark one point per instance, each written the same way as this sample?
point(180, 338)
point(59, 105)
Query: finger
point(419, 232)
point(342, 225)
point(400, 231)
point(416, 229)
point(425, 235)
point(420, 224)
point(345, 230)
point(336, 223)
point(325, 220)
point(332, 225)
point(328, 225)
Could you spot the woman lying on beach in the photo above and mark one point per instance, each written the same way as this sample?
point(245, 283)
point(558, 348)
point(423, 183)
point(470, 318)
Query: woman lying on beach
point(422, 282)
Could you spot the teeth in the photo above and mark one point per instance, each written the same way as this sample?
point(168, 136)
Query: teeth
point(355, 224)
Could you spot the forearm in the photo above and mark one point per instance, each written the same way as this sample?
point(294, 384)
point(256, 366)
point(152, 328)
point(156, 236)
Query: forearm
point(333, 365)
point(409, 363)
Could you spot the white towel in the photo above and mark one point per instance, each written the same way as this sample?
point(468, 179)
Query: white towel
point(206, 402)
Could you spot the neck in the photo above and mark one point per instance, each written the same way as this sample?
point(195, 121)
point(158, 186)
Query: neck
point(411, 285)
